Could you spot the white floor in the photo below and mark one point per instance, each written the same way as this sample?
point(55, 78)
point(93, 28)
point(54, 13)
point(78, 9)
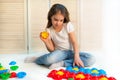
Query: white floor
point(110, 64)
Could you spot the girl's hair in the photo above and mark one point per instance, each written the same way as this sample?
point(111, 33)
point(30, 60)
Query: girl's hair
point(55, 9)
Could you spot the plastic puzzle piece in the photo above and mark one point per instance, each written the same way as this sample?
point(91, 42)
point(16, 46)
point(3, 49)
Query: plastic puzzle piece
point(70, 78)
point(60, 73)
point(21, 74)
point(1, 65)
point(7, 73)
point(14, 68)
point(4, 71)
point(80, 76)
point(111, 78)
point(5, 76)
point(103, 78)
point(13, 75)
point(79, 73)
point(12, 63)
point(2, 68)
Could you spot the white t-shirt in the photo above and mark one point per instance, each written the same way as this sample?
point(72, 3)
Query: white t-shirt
point(61, 39)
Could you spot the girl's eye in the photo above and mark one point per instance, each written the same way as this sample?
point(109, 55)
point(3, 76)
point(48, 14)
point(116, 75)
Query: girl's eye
point(55, 19)
point(61, 20)
point(58, 20)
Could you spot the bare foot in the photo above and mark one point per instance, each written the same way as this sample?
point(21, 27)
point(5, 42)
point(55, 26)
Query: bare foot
point(56, 65)
point(30, 59)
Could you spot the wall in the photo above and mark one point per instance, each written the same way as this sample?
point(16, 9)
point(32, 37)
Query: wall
point(85, 16)
point(12, 26)
point(91, 30)
point(111, 26)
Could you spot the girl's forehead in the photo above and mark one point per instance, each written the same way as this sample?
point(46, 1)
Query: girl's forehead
point(58, 15)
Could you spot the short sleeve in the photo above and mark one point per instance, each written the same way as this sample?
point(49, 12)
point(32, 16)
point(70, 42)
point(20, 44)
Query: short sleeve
point(70, 27)
point(48, 30)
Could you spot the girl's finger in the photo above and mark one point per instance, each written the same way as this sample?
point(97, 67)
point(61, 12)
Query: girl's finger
point(73, 64)
point(81, 65)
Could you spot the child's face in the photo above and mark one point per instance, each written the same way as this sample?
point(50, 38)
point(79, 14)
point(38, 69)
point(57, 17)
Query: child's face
point(57, 20)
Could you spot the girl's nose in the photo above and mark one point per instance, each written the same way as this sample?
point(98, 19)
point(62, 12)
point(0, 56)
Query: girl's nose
point(58, 22)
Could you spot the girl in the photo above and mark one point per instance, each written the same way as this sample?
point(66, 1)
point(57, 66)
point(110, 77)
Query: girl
point(61, 43)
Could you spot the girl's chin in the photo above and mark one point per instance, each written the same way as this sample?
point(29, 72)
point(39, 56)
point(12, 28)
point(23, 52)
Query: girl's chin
point(55, 26)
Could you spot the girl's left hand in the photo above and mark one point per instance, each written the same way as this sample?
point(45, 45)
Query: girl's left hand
point(78, 62)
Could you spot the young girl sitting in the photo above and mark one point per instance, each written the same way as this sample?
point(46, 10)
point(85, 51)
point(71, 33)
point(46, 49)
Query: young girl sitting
point(61, 42)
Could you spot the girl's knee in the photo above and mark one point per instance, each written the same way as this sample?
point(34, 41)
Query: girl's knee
point(46, 61)
point(90, 61)
point(50, 60)
point(37, 61)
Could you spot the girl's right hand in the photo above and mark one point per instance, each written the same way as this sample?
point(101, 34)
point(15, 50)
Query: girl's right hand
point(44, 36)
point(48, 42)
point(78, 61)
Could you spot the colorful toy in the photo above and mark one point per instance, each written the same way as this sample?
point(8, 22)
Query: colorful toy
point(5, 76)
point(6, 73)
point(14, 68)
point(3, 70)
point(12, 63)
point(21, 74)
point(44, 34)
point(79, 73)
point(13, 75)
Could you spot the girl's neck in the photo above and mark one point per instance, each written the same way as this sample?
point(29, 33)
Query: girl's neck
point(58, 29)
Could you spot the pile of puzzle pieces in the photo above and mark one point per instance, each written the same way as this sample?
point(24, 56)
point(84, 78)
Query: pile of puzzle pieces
point(79, 73)
point(11, 73)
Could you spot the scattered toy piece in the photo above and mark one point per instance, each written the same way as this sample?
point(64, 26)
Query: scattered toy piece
point(6, 73)
point(5, 76)
point(21, 74)
point(14, 68)
point(13, 75)
point(12, 63)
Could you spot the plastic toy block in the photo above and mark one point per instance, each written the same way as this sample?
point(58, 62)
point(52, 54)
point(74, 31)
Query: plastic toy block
point(111, 78)
point(2, 68)
point(70, 79)
point(103, 78)
point(13, 75)
point(94, 78)
point(5, 76)
point(76, 69)
point(60, 73)
point(1, 65)
point(4, 71)
point(102, 72)
point(81, 76)
point(79, 73)
point(14, 68)
point(12, 63)
point(21, 74)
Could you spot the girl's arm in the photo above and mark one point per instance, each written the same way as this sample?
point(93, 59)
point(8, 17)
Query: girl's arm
point(50, 46)
point(77, 60)
point(49, 43)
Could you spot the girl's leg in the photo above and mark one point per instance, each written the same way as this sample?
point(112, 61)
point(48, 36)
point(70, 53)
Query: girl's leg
point(87, 59)
point(51, 58)
point(60, 63)
point(70, 59)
